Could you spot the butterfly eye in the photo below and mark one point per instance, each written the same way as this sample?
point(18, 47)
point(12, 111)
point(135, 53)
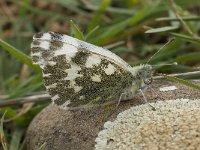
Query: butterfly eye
point(148, 81)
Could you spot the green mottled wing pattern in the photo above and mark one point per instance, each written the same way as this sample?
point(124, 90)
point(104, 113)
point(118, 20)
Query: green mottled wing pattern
point(75, 76)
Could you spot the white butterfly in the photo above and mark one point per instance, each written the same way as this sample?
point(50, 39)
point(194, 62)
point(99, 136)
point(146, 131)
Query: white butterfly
point(77, 73)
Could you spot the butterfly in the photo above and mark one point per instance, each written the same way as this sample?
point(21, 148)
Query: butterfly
point(76, 73)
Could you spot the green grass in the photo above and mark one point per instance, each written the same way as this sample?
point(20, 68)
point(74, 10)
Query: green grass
point(117, 25)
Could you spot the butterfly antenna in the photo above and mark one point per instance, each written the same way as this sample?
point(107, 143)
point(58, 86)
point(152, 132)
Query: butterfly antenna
point(171, 64)
point(170, 40)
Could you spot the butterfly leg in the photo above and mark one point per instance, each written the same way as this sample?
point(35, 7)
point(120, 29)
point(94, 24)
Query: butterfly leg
point(113, 110)
point(153, 108)
point(157, 95)
point(120, 98)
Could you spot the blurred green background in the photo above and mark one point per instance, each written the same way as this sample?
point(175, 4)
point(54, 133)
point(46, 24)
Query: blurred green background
point(132, 29)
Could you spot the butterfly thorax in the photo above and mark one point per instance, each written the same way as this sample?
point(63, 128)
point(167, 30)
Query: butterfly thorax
point(142, 76)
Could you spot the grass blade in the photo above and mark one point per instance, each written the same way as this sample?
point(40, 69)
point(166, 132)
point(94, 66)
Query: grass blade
point(185, 82)
point(162, 29)
point(16, 138)
point(186, 37)
point(77, 33)
point(3, 139)
point(111, 31)
point(97, 17)
point(91, 32)
point(42, 147)
point(190, 57)
point(19, 55)
point(195, 18)
point(38, 11)
point(110, 9)
point(113, 45)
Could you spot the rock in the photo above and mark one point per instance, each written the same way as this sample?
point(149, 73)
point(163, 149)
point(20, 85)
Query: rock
point(175, 123)
point(75, 130)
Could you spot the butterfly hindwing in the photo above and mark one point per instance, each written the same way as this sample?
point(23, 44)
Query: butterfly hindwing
point(75, 75)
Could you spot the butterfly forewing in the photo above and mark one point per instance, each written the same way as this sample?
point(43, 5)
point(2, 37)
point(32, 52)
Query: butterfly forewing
point(75, 75)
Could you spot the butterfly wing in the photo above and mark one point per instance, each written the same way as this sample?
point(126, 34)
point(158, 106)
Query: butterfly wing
point(77, 73)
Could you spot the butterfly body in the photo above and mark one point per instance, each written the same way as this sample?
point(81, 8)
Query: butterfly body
point(77, 73)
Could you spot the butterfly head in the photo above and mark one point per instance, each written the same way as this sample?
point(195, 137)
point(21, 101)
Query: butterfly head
point(143, 74)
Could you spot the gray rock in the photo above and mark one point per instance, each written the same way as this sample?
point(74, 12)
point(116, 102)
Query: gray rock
point(75, 130)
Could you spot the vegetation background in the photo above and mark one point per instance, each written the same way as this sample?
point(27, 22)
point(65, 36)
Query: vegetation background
point(132, 29)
